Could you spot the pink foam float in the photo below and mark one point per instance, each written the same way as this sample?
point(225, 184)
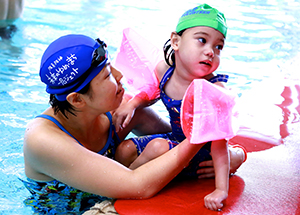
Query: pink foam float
point(137, 58)
point(207, 112)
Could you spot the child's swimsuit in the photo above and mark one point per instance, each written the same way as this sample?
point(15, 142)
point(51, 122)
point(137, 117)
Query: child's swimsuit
point(177, 135)
point(55, 197)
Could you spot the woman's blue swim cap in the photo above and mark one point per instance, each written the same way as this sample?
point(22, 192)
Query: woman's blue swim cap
point(65, 63)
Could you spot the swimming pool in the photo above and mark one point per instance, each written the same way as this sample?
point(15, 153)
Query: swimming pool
point(262, 37)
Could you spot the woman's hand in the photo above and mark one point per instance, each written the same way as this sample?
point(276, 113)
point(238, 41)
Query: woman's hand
point(206, 169)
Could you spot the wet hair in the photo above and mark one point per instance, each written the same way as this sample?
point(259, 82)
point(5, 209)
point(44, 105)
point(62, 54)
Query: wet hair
point(169, 52)
point(65, 106)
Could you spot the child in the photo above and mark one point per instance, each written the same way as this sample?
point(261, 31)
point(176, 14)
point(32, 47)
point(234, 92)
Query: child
point(193, 52)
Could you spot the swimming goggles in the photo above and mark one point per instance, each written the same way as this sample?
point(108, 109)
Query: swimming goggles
point(100, 57)
point(100, 54)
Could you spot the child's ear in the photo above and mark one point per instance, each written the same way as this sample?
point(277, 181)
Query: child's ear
point(175, 40)
point(75, 99)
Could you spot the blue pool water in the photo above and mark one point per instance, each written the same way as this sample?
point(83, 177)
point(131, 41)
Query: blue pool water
point(263, 36)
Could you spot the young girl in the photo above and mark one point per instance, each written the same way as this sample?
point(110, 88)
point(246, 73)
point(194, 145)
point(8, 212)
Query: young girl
point(193, 52)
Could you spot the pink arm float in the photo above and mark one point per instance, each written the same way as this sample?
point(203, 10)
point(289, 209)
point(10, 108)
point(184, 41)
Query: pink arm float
point(207, 112)
point(137, 59)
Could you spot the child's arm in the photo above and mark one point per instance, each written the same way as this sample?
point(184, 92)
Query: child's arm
point(123, 115)
point(220, 155)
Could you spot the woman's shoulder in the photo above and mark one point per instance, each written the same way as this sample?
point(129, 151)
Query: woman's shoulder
point(38, 134)
point(40, 124)
point(41, 133)
point(47, 149)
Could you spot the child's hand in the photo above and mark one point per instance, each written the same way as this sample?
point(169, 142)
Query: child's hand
point(213, 201)
point(122, 116)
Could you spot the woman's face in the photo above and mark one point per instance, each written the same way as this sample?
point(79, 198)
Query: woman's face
point(106, 90)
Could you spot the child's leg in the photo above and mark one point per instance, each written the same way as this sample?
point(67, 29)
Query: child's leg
point(126, 152)
point(237, 155)
point(129, 150)
point(154, 149)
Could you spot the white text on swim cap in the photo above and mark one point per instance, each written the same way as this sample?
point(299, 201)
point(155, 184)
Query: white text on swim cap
point(60, 69)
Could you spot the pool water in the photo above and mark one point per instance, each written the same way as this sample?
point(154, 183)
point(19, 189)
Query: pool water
point(263, 37)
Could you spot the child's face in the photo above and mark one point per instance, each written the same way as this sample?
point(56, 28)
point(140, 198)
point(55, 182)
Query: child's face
point(198, 51)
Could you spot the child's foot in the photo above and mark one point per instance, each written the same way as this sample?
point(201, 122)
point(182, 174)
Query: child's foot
point(238, 156)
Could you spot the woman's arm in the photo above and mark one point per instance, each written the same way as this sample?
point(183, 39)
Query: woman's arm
point(51, 154)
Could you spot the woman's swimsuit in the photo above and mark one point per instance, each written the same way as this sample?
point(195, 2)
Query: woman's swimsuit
point(55, 197)
point(177, 135)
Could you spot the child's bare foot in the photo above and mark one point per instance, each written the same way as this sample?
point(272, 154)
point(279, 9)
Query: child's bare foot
point(238, 155)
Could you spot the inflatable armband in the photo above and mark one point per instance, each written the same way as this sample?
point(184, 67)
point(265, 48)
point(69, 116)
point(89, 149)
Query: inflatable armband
point(137, 59)
point(207, 112)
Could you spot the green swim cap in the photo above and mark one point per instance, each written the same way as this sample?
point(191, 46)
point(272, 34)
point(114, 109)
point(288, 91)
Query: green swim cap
point(203, 15)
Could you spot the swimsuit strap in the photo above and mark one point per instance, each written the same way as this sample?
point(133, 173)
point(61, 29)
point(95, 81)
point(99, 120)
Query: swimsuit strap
point(110, 135)
point(57, 123)
point(166, 77)
point(109, 116)
point(110, 140)
point(219, 78)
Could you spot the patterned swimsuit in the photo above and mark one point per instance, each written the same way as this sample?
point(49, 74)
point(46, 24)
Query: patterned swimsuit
point(176, 136)
point(55, 197)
